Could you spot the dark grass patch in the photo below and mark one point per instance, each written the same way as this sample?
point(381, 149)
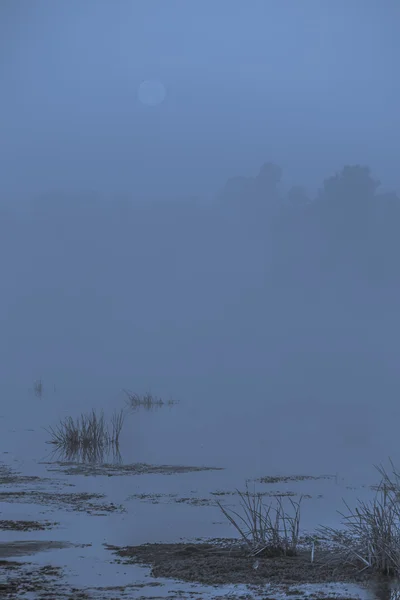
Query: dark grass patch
point(79, 502)
point(171, 498)
point(46, 582)
point(90, 432)
point(26, 525)
point(274, 494)
point(10, 477)
point(370, 532)
point(196, 501)
point(110, 470)
point(292, 478)
point(10, 565)
point(265, 528)
point(25, 548)
point(123, 589)
point(154, 498)
point(211, 564)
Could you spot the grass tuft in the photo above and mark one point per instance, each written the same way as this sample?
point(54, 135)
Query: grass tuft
point(370, 537)
point(89, 434)
point(267, 529)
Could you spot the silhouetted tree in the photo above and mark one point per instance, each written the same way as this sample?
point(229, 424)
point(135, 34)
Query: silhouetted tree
point(354, 183)
point(237, 189)
point(297, 196)
point(350, 231)
point(256, 191)
point(266, 183)
point(348, 199)
point(358, 224)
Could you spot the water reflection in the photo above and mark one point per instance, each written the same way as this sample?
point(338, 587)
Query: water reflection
point(99, 455)
point(146, 401)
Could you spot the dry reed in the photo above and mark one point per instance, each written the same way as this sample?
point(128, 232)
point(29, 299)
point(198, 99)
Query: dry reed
point(266, 529)
point(89, 431)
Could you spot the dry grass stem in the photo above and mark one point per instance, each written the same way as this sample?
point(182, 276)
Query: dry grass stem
point(370, 537)
point(266, 529)
point(88, 433)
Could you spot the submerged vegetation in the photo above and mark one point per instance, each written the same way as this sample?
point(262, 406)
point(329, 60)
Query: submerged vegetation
point(89, 434)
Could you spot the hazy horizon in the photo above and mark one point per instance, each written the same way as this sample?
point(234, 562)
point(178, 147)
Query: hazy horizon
point(311, 86)
point(190, 209)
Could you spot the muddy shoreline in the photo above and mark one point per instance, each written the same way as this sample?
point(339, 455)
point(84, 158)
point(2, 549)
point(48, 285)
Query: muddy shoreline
point(229, 562)
point(197, 562)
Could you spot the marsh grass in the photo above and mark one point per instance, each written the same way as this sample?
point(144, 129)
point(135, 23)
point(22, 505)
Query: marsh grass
point(147, 400)
point(267, 529)
point(370, 537)
point(90, 433)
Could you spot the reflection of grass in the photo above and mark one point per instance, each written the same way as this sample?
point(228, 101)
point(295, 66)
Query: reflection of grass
point(109, 454)
point(89, 434)
point(147, 400)
point(38, 388)
point(267, 529)
point(371, 535)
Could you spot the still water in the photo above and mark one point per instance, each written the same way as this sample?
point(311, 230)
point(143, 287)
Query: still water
point(288, 419)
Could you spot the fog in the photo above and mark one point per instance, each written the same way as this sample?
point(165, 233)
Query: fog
point(227, 244)
point(310, 85)
point(199, 200)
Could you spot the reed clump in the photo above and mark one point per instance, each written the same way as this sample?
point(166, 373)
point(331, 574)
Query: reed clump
point(370, 534)
point(267, 529)
point(90, 431)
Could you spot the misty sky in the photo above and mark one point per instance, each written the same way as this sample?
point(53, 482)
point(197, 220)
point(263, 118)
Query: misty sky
point(234, 307)
point(309, 84)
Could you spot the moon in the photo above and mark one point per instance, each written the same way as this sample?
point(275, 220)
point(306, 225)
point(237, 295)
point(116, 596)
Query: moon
point(151, 92)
